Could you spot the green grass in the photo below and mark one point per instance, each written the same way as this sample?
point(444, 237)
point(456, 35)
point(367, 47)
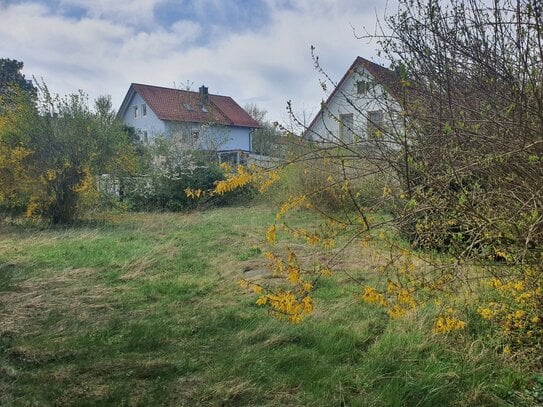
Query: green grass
point(144, 309)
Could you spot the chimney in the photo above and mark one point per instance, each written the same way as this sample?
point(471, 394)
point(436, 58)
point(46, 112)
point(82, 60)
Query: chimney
point(203, 95)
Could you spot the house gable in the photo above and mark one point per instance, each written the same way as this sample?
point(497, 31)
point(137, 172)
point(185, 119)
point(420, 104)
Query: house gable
point(362, 99)
point(136, 113)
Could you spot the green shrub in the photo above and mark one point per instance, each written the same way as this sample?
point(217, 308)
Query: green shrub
point(163, 192)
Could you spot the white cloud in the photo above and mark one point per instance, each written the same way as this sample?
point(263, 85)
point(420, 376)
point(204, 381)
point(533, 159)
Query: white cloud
point(133, 11)
point(268, 66)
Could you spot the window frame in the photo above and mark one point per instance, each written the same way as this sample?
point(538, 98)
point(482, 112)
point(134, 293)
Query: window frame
point(344, 130)
point(195, 135)
point(374, 125)
point(362, 87)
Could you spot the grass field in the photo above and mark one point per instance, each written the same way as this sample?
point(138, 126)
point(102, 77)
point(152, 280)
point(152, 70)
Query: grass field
point(144, 309)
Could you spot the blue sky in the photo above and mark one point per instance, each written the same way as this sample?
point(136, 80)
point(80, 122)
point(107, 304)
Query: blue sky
point(257, 51)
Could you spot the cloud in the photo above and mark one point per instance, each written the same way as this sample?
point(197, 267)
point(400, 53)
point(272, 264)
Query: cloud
point(113, 44)
point(133, 12)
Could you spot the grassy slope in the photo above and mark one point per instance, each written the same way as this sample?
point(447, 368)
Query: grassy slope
point(144, 310)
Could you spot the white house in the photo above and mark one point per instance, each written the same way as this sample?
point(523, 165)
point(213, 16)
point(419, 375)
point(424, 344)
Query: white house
point(362, 106)
point(206, 121)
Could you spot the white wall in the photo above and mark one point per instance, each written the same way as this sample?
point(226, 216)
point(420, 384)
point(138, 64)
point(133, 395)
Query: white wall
point(150, 123)
point(347, 101)
point(211, 137)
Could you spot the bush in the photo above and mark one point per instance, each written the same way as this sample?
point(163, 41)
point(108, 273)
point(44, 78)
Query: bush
point(159, 191)
point(52, 149)
point(171, 170)
point(330, 186)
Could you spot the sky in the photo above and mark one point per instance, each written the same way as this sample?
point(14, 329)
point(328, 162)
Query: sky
point(256, 51)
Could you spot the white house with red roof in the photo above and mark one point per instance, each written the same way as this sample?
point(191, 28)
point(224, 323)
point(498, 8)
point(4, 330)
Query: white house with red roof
point(204, 120)
point(360, 107)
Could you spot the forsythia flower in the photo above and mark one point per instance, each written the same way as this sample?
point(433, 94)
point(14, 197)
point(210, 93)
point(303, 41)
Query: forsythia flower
point(371, 296)
point(262, 300)
point(325, 272)
point(291, 203)
point(486, 313)
point(235, 181)
point(446, 324)
point(194, 193)
point(270, 235)
point(396, 311)
point(31, 209)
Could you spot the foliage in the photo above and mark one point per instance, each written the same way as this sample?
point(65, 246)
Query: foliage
point(50, 153)
point(471, 175)
point(11, 79)
point(171, 167)
point(265, 139)
point(459, 164)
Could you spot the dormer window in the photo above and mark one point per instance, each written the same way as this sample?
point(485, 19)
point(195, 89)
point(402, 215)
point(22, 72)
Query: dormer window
point(143, 110)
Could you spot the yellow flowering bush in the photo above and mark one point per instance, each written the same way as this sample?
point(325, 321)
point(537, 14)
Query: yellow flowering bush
point(55, 182)
point(514, 303)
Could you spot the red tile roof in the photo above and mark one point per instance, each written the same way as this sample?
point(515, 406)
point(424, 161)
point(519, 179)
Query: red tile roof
point(185, 106)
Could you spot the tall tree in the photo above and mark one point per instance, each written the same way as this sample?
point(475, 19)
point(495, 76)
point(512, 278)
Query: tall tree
point(264, 139)
point(11, 76)
point(50, 154)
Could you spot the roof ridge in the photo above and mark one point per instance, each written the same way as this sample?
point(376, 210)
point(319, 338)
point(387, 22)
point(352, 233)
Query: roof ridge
point(175, 89)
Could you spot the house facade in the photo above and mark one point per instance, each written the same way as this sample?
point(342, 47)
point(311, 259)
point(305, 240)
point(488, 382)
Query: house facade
point(202, 120)
point(362, 106)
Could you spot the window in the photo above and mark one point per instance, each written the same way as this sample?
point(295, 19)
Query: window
point(362, 87)
point(375, 122)
point(135, 111)
point(195, 135)
point(145, 136)
point(143, 110)
point(232, 157)
point(188, 107)
point(346, 127)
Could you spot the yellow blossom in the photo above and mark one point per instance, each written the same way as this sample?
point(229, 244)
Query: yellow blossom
point(486, 313)
point(372, 296)
point(270, 235)
point(446, 324)
point(396, 311)
point(262, 300)
point(325, 272)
